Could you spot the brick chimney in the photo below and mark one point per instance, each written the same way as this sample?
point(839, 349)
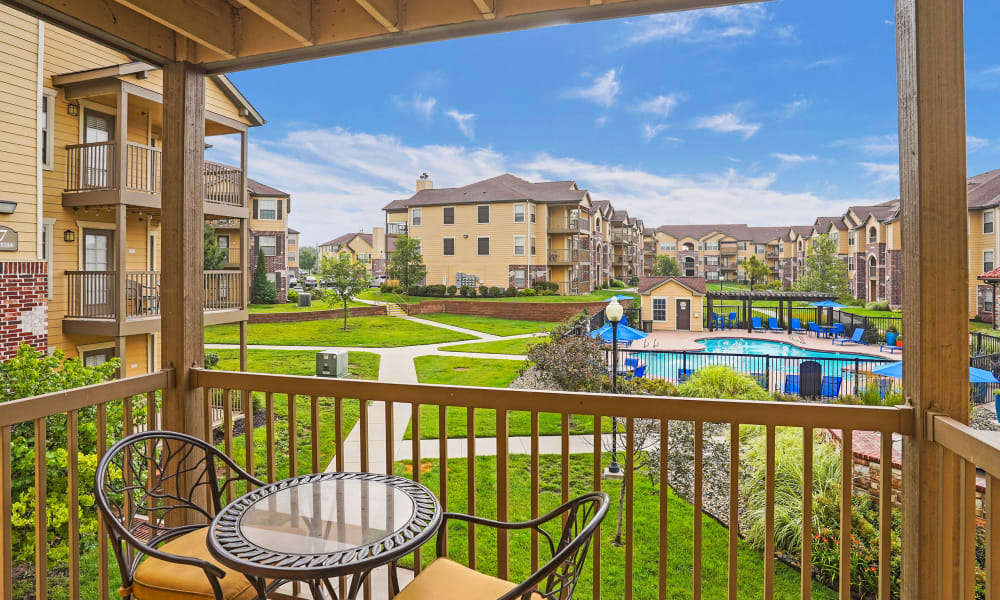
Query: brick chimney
point(424, 183)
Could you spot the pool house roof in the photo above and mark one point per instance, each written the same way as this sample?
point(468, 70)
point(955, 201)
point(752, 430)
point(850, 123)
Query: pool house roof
point(770, 295)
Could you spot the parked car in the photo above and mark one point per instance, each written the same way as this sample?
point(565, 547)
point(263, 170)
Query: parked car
point(377, 281)
point(292, 280)
point(309, 282)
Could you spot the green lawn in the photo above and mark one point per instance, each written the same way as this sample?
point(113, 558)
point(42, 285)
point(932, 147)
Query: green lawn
point(374, 332)
point(293, 307)
point(595, 296)
point(864, 312)
point(463, 370)
point(361, 365)
point(647, 542)
point(514, 346)
point(490, 324)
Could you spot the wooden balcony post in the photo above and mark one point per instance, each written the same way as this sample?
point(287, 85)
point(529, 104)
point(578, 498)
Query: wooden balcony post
point(244, 248)
point(930, 69)
point(183, 243)
point(121, 158)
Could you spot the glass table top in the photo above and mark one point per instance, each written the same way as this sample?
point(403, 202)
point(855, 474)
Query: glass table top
point(327, 516)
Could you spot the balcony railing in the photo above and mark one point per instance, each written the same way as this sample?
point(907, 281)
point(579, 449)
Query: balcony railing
point(610, 571)
point(568, 225)
point(93, 294)
point(568, 256)
point(396, 228)
point(94, 167)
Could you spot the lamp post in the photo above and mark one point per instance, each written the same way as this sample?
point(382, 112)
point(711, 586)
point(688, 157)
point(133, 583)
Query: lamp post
point(613, 313)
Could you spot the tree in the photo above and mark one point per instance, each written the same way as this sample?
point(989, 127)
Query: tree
point(263, 291)
point(756, 270)
point(307, 258)
point(824, 271)
point(347, 278)
point(215, 257)
point(406, 264)
point(666, 265)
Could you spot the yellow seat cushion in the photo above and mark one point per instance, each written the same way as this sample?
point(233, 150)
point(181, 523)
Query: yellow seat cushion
point(445, 579)
point(156, 579)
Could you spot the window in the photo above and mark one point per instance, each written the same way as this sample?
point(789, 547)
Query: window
point(483, 213)
point(711, 245)
point(872, 235)
point(483, 246)
point(267, 209)
point(711, 260)
point(712, 275)
point(269, 244)
point(988, 221)
point(659, 309)
point(292, 256)
point(416, 216)
point(532, 245)
point(96, 358)
point(449, 246)
point(45, 123)
point(519, 278)
point(222, 241)
point(533, 214)
point(987, 260)
point(741, 245)
point(293, 239)
point(760, 249)
point(272, 277)
point(850, 238)
point(518, 245)
point(449, 215)
point(668, 246)
point(364, 257)
point(519, 213)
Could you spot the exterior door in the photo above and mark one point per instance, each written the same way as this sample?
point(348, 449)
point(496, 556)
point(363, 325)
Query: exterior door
point(98, 159)
point(97, 281)
point(683, 314)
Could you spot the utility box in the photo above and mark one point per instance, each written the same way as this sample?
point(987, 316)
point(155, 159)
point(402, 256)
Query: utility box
point(305, 299)
point(331, 363)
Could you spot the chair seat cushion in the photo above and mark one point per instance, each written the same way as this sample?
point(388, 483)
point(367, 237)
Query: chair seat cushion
point(445, 579)
point(156, 579)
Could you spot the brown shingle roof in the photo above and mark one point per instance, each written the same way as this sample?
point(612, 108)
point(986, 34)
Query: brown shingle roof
point(259, 189)
point(290, 230)
point(822, 224)
point(502, 188)
point(695, 284)
point(762, 235)
point(984, 189)
point(737, 230)
point(343, 239)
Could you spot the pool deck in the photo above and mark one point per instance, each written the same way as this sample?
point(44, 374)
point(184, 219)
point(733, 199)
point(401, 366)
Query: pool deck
point(688, 340)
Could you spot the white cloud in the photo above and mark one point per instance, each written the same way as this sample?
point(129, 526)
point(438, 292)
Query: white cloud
point(727, 123)
point(973, 143)
point(874, 145)
point(603, 89)
point(692, 26)
point(987, 78)
point(649, 131)
point(600, 121)
point(423, 106)
point(882, 172)
point(465, 122)
point(824, 62)
point(793, 159)
point(796, 106)
point(660, 105)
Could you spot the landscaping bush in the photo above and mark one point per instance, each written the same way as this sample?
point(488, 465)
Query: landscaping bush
point(615, 283)
point(527, 292)
point(452, 290)
point(293, 296)
point(463, 291)
point(511, 292)
point(547, 293)
point(772, 285)
point(472, 291)
point(546, 286)
point(495, 292)
point(413, 290)
point(484, 291)
point(723, 382)
point(879, 305)
point(574, 363)
point(211, 360)
point(560, 329)
point(437, 291)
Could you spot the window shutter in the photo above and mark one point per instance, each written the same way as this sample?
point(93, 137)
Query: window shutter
point(278, 205)
point(256, 209)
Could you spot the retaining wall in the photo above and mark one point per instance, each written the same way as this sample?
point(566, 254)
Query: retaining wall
point(316, 315)
point(527, 311)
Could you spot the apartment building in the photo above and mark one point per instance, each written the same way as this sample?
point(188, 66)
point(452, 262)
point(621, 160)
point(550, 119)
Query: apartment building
point(717, 251)
point(505, 231)
point(984, 240)
point(80, 213)
point(292, 252)
point(626, 243)
point(371, 249)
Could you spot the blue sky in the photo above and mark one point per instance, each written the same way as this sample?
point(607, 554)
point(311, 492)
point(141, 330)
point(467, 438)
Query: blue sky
point(771, 114)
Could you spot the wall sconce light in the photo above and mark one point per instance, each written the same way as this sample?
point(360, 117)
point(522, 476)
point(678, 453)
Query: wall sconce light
point(7, 207)
point(73, 109)
point(69, 235)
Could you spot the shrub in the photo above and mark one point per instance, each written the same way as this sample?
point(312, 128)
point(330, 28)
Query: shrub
point(452, 290)
point(211, 360)
point(464, 291)
point(722, 382)
point(644, 386)
point(392, 283)
point(546, 286)
point(527, 292)
point(511, 292)
point(293, 296)
point(559, 330)
point(413, 290)
point(616, 283)
point(547, 293)
point(484, 291)
point(773, 285)
point(879, 305)
point(495, 292)
point(437, 291)
point(472, 292)
point(574, 363)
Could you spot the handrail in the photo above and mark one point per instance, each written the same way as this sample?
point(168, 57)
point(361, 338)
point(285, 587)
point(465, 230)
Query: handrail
point(898, 419)
point(89, 145)
point(37, 407)
point(981, 448)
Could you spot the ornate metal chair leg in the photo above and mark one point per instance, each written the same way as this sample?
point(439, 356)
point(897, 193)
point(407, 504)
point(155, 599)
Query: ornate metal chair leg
point(356, 580)
point(329, 589)
point(316, 590)
point(394, 577)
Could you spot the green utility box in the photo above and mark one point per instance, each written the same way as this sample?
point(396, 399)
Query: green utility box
point(331, 363)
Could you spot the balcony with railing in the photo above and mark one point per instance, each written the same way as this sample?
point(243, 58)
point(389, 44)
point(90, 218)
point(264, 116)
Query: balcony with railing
point(573, 225)
point(567, 256)
point(728, 248)
point(92, 298)
point(94, 177)
point(397, 228)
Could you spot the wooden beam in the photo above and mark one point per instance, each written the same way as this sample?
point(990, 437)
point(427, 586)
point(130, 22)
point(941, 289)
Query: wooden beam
point(293, 17)
point(933, 190)
point(386, 12)
point(211, 23)
point(488, 8)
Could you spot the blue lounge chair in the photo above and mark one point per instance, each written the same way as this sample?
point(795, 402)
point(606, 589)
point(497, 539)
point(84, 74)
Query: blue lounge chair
point(814, 328)
point(830, 387)
point(631, 361)
point(757, 325)
point(732, 319)
point(838, 329)
point(792, 384)
point(797, 326)
point(684, 374)
point(854, 339)
point(639, 371)
point(772, 325)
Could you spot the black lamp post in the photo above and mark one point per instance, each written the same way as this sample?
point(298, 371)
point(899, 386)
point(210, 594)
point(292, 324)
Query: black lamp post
point(613, 313)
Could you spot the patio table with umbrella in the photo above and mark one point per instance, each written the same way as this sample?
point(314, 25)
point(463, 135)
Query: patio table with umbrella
point(829, 305)
point(895, 370)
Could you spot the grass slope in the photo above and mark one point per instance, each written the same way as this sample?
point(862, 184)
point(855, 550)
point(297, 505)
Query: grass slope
point(490, 325)
point(595, 296)
point(293, 307)
point(647, 540)
point(373, 332)
point(515, 346)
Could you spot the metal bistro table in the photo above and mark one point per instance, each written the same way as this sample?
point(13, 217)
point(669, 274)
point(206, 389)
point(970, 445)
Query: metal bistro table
point(314, 528)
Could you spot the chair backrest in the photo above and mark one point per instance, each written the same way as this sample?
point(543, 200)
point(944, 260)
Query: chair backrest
point(640, 371)
point(557, 579)
point(857, 334)
point(796, 324)
point(831, 385)
point(732, 316)
point(792, 384)
point(756, 322)
point(813, 326)
point(684, 374)
point(149, 482)
point(772, 322)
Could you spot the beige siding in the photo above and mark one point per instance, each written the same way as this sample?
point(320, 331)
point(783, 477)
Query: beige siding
point(672, 291)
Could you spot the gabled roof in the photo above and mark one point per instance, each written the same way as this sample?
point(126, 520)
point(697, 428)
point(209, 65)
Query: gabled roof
point(695, 284)
point(603, 207)
point(763, 235)
point(340, 240)
point(822, 224)
point(290, 230)
point(502, 188)
point(984, 189)
point(993, 275)
point(620, 215)
point(737, 230)
point(259, 189)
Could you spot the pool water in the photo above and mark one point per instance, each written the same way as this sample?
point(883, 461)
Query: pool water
point(768, 347)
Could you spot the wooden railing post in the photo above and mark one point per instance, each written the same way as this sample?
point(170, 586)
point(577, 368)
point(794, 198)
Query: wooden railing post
point(930, 68)
point(182, 287)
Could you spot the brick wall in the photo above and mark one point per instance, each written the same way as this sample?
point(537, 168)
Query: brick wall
point(316, 315)
point(272, 264)
point(23, 306)
point(894, 278)
point(528, 311)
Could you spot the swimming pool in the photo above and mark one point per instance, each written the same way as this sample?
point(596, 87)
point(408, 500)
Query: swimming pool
point(771, 348)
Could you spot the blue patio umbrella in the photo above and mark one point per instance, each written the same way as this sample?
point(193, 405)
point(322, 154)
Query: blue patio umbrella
point(895, 369)
point(625, 333)
point(620, 297)
point(827, 304)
